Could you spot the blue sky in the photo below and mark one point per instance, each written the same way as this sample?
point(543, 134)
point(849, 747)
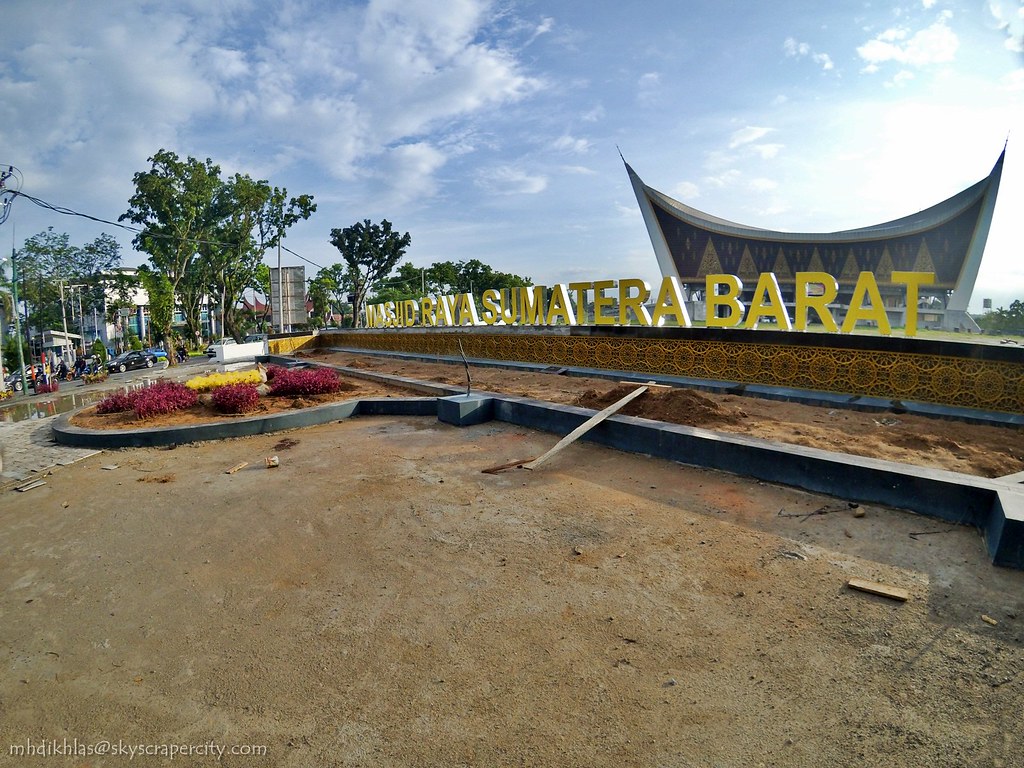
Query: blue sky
point(489, 130)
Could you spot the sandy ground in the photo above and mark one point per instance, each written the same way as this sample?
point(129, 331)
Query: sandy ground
point(377, 600)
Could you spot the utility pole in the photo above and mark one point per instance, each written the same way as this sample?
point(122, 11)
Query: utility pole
point(17, 316)
point(280, 292)
point(64, 321)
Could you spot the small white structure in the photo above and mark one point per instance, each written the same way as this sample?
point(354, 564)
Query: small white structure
point(239, 353)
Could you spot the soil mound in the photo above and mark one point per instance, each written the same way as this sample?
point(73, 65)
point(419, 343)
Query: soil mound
point(675, 406)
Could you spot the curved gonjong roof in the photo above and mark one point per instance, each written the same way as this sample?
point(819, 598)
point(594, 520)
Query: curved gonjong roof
point(948, 239)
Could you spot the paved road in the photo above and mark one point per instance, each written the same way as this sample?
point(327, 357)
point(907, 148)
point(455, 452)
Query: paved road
point(27, 448)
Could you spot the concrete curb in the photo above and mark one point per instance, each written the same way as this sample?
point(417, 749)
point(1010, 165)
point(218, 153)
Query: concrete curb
point(995, 507)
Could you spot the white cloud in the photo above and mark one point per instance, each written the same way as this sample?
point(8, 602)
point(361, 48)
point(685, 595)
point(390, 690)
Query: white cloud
point(936, 44)
point(762, 185)
point(685, 190)
point(794, 49)
point(901, 78)
point(824, 60)
point(767, 151)
point(1009, 17)
point(510, 180)
point(571, 145)
point(336, 86)
point(648, 86)
point(409, 170)
point(798, 50)
point(725, 179)
point(747, 135)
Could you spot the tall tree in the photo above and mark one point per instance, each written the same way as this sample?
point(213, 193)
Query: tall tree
point(253, 217)
point(329, 290)
point(174, 202)
point(371, 251)
point(161, 301)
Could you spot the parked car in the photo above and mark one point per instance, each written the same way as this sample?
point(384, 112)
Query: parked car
point(226, 340)
point(13, 379)
point(158, 353)
point(128, 361)
point(255, 337)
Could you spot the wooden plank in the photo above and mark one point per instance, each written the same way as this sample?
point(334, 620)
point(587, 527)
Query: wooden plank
point(507, 465)
point(236, 468)
point(884, 590)
point(585, 427)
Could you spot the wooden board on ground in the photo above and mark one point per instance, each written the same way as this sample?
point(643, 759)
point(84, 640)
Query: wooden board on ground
point(884, 590)
point(585, 427)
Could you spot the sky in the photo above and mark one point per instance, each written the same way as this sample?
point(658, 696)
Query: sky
point(492, 130)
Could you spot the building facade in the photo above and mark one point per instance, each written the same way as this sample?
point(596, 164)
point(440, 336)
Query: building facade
point(947, 239)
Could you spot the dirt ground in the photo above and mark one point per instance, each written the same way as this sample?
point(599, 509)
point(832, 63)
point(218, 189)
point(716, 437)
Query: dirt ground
point(974, 449)
point(377, 600)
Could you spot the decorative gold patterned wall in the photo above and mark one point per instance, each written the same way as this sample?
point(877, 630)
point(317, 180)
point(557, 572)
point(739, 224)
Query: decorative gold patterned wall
point(289, 344)
point(964, 382)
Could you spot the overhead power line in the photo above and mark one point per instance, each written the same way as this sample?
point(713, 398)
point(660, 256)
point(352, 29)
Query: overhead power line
point(137, 230)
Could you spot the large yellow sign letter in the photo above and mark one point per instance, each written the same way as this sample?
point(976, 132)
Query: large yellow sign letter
point(866, 288)
point(729, 298)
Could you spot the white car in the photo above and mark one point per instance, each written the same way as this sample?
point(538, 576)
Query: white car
point(210, 352)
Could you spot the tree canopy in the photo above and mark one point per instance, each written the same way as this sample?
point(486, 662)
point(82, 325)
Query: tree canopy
point(208, 235)
point(370, 251)
point(1003, 320)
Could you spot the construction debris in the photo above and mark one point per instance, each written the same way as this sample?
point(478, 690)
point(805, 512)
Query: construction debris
point(572, 437)
point(875, 588)
point(236, 468)
point(585, 427)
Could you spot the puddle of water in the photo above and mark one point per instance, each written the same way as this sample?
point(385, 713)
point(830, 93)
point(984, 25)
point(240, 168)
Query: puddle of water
point(58, 403)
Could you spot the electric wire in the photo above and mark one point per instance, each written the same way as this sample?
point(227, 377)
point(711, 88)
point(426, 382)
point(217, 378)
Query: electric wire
point(138, 230)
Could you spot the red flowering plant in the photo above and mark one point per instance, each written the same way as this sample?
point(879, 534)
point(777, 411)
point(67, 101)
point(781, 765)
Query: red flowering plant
point(304, 381)
point(235, 398)
point(161, 397)
point(115, 403)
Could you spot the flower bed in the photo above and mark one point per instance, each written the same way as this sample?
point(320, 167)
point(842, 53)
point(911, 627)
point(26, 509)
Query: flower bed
point(302, 382)
point(236, 398)
point(212, 381)
point(159, 398)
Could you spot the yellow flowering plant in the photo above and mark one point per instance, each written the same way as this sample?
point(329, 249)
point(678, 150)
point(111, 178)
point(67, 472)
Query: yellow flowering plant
point(211, 381)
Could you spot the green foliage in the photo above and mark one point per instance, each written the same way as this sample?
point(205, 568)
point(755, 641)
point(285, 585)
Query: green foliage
point(100, 351)
point(206, 235)
point(446, 277)
point(48, 259)
point(370, 251)
point(10, 352)
point(174, 203)
point(161, 297)
point(1004, 320)
point(329, 292)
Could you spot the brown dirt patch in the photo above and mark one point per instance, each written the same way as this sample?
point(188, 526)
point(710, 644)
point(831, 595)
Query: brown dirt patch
point(376, 600)
point(677, 406)
point(975, 449)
